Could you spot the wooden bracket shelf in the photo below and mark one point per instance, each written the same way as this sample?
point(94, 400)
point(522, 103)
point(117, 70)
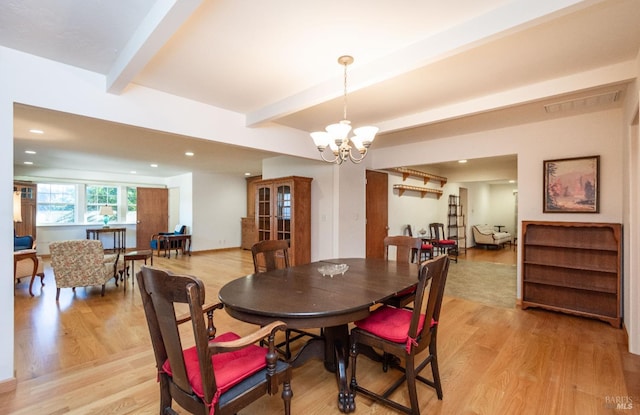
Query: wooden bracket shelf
point(423, 190)
point(416, 173)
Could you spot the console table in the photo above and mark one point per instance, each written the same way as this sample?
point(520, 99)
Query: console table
point(119, 237)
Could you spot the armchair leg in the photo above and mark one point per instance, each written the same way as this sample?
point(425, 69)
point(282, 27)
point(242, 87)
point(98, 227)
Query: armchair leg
point(57, 294)
point(103, 288)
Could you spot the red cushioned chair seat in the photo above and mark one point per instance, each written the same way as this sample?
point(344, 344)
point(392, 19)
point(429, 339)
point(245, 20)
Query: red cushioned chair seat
point(427, 247)
point(446, 242)
point(390, 323)
point(229, 368)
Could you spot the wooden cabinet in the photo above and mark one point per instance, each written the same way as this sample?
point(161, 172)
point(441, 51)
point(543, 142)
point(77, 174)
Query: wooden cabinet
point(248, 232)
point(248, 223)
point(573, 267)
point(28, 193)
point(283, 211)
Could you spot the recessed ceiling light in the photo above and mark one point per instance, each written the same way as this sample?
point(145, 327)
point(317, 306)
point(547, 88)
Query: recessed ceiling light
point(28, 162)
point(512, 181)
point(30, 152)
point(36, 131)
point(154, 165)
point(462, 161)
point(133, 172)
point(189, 153)
point(247, 174)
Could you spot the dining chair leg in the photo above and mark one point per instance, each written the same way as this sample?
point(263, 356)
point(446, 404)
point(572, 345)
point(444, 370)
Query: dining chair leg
point(434, 368)
point(410, 377)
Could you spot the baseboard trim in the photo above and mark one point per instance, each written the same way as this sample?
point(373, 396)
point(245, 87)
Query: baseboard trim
point(8, 385)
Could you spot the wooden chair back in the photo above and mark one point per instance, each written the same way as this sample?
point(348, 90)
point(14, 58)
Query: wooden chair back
point(269, 255)
point(433, 274)
point(161, 291)
point(406, 247)
point(437, 231)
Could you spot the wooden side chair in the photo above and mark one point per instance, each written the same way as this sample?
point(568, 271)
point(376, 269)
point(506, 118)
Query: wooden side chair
point(270, 255)
point(405, 334)
point(443, 245)
point(218, 375)
point(405, 247)
point(426, 250)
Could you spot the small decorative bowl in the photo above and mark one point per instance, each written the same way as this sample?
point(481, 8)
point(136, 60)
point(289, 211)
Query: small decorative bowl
point(333, 269)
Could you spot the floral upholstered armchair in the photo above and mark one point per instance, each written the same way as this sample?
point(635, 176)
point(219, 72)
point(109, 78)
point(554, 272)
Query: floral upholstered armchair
point(81, 263)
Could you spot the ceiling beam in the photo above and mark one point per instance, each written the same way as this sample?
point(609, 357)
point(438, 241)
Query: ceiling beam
point(514, 16)
point(163, 20)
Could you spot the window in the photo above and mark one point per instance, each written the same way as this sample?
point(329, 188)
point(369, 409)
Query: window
point(56, 204)
point(97, 196)
point(78, 203)
point(132, 204)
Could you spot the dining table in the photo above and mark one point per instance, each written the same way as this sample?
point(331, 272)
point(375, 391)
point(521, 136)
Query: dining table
point(307, 297)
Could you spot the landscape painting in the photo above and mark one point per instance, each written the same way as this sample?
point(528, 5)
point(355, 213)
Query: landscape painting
point(572, 185)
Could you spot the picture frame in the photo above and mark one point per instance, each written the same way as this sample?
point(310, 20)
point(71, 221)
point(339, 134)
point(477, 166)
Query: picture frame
point(571, 185)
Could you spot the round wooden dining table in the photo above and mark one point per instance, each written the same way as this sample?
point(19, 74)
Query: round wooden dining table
point(304, 298)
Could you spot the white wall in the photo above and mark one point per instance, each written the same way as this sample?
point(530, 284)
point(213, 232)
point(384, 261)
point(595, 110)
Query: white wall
point(502, 205)
point(219, 201)
point(411, 208)
point(174, 208)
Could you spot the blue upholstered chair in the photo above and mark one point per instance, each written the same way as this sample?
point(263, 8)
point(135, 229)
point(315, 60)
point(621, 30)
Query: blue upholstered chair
point(22, 242)
point(179, 230)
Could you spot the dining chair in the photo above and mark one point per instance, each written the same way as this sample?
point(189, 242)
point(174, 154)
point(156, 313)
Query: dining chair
point(269, 255)
point(405, 334)
point(218, 375)
point(404, 246)
point(441, 243)
point(426, 250)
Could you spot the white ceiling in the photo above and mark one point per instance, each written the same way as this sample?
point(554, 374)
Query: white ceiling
point(423, 68)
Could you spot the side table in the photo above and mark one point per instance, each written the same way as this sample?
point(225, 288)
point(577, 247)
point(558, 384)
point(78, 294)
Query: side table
point(27, 254)
point(132, 256)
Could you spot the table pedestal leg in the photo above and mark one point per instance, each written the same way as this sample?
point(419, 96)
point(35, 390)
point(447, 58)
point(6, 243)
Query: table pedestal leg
point(336, 354)
point(333, 349)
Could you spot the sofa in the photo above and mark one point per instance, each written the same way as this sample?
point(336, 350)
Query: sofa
point(486, 235)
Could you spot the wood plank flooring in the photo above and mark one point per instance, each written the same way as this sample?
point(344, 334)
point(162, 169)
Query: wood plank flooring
point(91, 355)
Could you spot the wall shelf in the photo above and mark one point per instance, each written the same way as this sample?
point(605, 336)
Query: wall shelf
point(423, 190)
point(427, 177)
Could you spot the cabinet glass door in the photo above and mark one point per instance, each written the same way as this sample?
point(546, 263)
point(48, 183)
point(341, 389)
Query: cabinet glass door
point(283, 212)
point(263, 213)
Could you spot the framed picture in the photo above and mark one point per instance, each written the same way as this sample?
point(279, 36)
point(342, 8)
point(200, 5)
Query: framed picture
point(572, 185)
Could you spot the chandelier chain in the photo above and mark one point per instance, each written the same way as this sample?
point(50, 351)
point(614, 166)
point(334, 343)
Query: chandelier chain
point(344, 111)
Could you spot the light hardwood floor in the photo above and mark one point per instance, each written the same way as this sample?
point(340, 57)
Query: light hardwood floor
point(91, 355)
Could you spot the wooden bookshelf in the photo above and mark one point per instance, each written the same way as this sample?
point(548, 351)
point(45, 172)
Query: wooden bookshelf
point(573, 267)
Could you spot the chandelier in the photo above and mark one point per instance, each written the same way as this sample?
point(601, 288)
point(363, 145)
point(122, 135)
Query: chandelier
point(336, 135)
